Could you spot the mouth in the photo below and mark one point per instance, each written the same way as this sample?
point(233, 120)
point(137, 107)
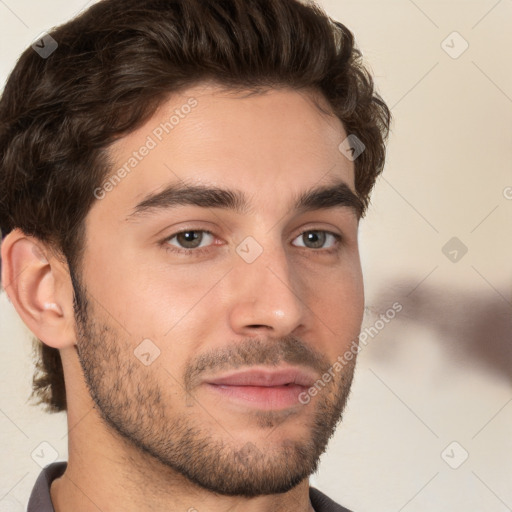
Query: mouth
point(263, 388)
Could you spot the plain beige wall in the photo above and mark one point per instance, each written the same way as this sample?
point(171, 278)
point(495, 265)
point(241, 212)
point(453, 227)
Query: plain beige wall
point(441, 371)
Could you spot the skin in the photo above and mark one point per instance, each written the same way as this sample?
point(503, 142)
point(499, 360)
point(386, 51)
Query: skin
point(130, 425)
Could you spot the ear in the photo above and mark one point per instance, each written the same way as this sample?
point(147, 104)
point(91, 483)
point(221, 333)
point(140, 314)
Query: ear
point(40, 289)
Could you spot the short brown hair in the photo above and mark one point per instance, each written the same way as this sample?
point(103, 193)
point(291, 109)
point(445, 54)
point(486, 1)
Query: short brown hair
point(116, 63)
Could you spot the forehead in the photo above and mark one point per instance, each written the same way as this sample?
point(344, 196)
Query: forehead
point(275, 142)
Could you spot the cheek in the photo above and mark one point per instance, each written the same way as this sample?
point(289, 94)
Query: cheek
point(337, 299)
point(175, 300)
point(149, 299)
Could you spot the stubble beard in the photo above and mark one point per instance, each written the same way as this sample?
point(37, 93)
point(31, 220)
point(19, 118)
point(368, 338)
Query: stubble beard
point(132, 401)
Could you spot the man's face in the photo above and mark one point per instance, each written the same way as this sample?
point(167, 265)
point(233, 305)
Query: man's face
point(195, 347)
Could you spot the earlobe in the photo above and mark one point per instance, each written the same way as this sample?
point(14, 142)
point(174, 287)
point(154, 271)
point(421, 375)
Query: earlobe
point(39, 288)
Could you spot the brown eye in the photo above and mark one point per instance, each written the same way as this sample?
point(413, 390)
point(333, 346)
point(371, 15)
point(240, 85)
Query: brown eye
point(190, 239)
point(317, 239)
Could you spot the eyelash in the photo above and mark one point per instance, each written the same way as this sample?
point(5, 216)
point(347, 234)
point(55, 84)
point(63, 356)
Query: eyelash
point(203, 250)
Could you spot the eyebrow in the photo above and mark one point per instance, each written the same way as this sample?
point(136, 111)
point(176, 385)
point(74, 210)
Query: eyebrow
point(337, 195)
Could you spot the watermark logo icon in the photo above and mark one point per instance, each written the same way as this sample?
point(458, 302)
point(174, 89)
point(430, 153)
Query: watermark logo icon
point(454, 455)
point(249, 250)
point(44, 454)
point(352, 147)
point(454, 250)
point(146, 352)
point(44, 45)
point(454, 45)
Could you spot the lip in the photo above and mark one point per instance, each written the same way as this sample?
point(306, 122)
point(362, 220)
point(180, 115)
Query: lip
point(265, 377)
point(263, 388)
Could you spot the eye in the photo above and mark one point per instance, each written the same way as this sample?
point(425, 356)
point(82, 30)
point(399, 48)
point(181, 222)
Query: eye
point(316, 239)
point(190, 239)
point(197, 242)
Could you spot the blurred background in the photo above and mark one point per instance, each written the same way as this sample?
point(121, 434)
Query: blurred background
point(429, 422)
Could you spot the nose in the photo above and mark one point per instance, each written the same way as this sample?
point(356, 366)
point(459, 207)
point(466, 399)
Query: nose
point(267, 296)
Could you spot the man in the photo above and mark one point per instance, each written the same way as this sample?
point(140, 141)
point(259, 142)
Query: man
point(182, 183)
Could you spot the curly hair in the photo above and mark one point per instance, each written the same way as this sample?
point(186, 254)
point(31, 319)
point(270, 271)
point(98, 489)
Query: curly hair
point(116, 63)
